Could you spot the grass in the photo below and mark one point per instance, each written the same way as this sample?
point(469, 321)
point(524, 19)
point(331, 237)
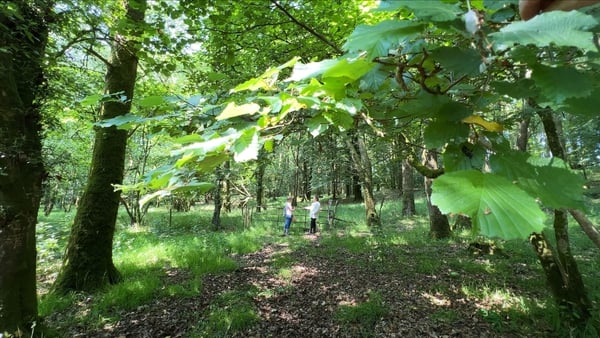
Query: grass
point(186, 242)
point(229, 313)
point(359, 319)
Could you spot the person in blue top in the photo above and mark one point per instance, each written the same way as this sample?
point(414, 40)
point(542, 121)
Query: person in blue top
point(314, 208)
point(288, 214)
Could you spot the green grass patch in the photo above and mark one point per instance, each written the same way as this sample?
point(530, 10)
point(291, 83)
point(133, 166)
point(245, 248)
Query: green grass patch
point(359, 320)
point(229, 313)
point(129, 294)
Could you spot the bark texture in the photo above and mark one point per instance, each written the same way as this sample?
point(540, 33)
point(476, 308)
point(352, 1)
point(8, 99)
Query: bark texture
point(23, 37)
point(408, 190)
point(563, 276)
point(88, 263)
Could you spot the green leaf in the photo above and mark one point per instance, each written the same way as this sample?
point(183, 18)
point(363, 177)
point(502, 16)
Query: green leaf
point(457, 60)
point(379, 39)
point(560, 83)
point(551, 28)
point(233, 110)
point(520, 89)
point(539, 176)
point(317, 125)
point(496, 206)
point(208, 163)
point(373, 80)
point(463, 156)
point(425, 10)
point(303, 71)
point(587, 106)
point(151, 101)
point(453, 111)
point(246, 147)
point(422, 105)
point(348, 71)
point(339, 118)
point(438, 133)
point(122, 121)
point(91, 100)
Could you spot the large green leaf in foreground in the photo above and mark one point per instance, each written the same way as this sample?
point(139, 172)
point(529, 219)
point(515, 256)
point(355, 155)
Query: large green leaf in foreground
point(497, 207)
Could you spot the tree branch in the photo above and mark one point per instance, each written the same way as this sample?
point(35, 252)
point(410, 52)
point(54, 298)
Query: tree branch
point(309, 29)
point(586, 225)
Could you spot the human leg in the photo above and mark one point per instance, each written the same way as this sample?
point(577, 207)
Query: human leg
point(286, 225)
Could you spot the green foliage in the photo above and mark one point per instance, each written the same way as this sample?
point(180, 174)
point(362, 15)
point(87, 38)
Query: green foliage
point(496, 206)
point(134, 291)
point(552, 28)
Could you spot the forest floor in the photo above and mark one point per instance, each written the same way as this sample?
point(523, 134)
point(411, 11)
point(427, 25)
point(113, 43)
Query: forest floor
point(305, 301)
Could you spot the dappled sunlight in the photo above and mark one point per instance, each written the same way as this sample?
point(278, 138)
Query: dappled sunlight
point(437, 299)
point(485, 297)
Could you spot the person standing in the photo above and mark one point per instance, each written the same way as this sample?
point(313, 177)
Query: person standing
point(314, 208)
point(288, 214)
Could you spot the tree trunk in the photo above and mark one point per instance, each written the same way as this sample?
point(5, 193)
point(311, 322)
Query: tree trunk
point(523, 136)
point(562, 273)
point(261, 165)
point(439, 227)
point(226, 183)
point(218, 202)
point(408, 190)
point(357, 188)
point(362, 163)
point(23, 39)
point(88, 263)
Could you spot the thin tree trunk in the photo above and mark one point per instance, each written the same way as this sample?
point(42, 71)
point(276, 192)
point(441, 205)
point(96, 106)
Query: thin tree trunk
point(408, 190)
point(523, 136)
point(88, 263)
point(218, 202)
point(439, 227)
point(362, 163)
point(260, 175)
point(23, 37)
point(226, 183)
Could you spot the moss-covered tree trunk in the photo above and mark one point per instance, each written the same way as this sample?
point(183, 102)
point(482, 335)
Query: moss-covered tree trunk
point(562, 274)
point(23, 37)
point(88, 263)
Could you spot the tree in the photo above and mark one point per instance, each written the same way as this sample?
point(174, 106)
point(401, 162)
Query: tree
point(364, 168)
point(88, 263)
point(439, 227)
point(23, 37)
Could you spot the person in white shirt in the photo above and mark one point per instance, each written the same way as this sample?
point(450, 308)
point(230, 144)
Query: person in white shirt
point(288, 214)
point(314, 208)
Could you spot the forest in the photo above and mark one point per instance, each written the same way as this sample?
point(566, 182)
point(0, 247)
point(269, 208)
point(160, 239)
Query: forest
point(152, 153)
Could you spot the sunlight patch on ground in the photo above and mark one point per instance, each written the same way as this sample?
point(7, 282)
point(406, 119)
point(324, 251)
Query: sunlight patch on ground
point(437, 299)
